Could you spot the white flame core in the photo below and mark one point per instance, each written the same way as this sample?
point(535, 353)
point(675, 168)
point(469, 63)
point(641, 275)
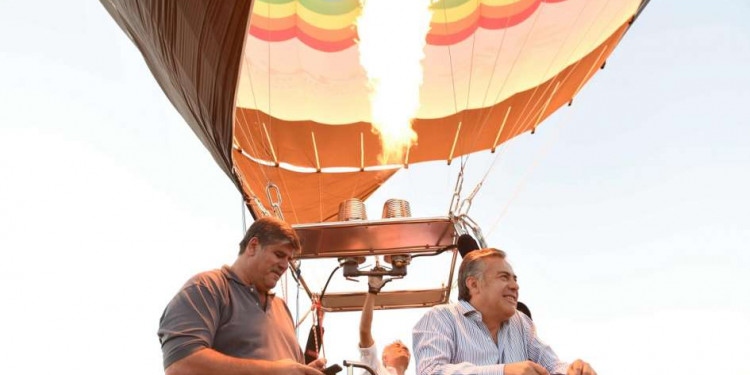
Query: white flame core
point(392, 37)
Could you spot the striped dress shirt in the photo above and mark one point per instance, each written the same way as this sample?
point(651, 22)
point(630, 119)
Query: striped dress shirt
point(452, 339)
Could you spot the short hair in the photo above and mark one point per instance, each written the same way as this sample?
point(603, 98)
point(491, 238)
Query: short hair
point(270, 230)
point(474, 265)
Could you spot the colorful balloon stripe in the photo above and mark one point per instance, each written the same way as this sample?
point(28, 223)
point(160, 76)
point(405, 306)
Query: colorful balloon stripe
point(328, 25)
point(341, 145)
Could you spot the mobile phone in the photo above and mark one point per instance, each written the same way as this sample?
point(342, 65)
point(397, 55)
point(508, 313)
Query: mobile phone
point(331, 370)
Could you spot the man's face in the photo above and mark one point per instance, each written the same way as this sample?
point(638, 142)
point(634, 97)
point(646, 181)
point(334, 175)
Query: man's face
point(396, 355)
point(498, 288)
point(270, 262)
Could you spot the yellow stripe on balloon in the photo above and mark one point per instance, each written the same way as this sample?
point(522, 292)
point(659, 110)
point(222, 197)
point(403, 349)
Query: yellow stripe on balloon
point(447, 15)
point(498, 3)
point(269, 10)
point(328, 22)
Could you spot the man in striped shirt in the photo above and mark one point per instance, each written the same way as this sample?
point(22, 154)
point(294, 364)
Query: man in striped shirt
point(484, 333)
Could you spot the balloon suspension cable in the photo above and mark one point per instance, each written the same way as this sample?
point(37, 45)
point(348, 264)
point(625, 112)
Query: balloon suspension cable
point(467, 223)
point(296, 329)
point(463, 209)
point(456, 198)
point(465, 206)
point(244, 220)
point(296, 275)
point(543, 151)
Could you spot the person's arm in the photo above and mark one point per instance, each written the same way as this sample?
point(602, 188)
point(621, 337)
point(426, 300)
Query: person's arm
point(186, 332)
point(435, 344)
point(209, 361)
point(365, 322)
point(374, 285)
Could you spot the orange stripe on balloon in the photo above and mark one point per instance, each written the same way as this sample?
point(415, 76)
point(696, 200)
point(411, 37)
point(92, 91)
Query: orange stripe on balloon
point(272, 24)
point(484, 16)
point(325, 35)
point(442, 29)
point(445, 40)
point(515, 13)
point(325, 46)
point(273, 36)
point(489, 17)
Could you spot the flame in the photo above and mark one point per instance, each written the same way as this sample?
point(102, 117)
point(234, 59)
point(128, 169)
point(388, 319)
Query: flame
point(392, 37)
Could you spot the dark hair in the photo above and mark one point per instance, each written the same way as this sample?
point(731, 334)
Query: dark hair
point(473, 265)
point(270, 230)
point(524, 309)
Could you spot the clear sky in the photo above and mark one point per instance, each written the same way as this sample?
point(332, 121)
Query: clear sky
point(625, 216)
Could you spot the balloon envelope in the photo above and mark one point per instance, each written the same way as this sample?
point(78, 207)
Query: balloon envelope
point(276, 91)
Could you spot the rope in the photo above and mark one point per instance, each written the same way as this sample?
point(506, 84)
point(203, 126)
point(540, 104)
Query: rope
point(518, 124)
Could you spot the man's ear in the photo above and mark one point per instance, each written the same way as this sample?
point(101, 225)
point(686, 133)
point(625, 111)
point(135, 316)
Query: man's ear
point(252, 246)
point(471, 284)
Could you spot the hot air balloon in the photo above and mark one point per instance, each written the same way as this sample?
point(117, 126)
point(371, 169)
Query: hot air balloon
point(283, 94)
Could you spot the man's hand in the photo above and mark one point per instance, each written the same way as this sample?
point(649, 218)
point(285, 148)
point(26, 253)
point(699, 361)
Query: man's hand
point(375, 283)
point(525, 368)
point(318, 364)
point(579, 367)
point(287, 366)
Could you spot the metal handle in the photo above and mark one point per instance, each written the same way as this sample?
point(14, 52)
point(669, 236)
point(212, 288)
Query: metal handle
point(350, 365)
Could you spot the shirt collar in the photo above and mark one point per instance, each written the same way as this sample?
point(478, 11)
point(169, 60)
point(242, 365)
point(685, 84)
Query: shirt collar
point(233, 276)
point(466, 309)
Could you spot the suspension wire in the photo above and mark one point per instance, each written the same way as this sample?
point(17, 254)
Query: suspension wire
point(320, 196)
point(450, 60)
point(494, 68)
point(270, 119)
point(471, 70)
point(297, 269)
point(254, 143)
point(518, 123)
point(244, 222)
point(289, 196)
point(268, 38)
point(580, 41)
point(457, 191)
point(524, 115)
point(454, 207)
point(546, 149)
point(528, 115)
point(512, 67)
point(459, 179)
point(249, 136)
point(543, 152)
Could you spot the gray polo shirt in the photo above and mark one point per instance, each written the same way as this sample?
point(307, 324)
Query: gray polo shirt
point(215, 309)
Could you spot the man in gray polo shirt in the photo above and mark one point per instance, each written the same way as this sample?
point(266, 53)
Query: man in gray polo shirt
point(227, 322)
